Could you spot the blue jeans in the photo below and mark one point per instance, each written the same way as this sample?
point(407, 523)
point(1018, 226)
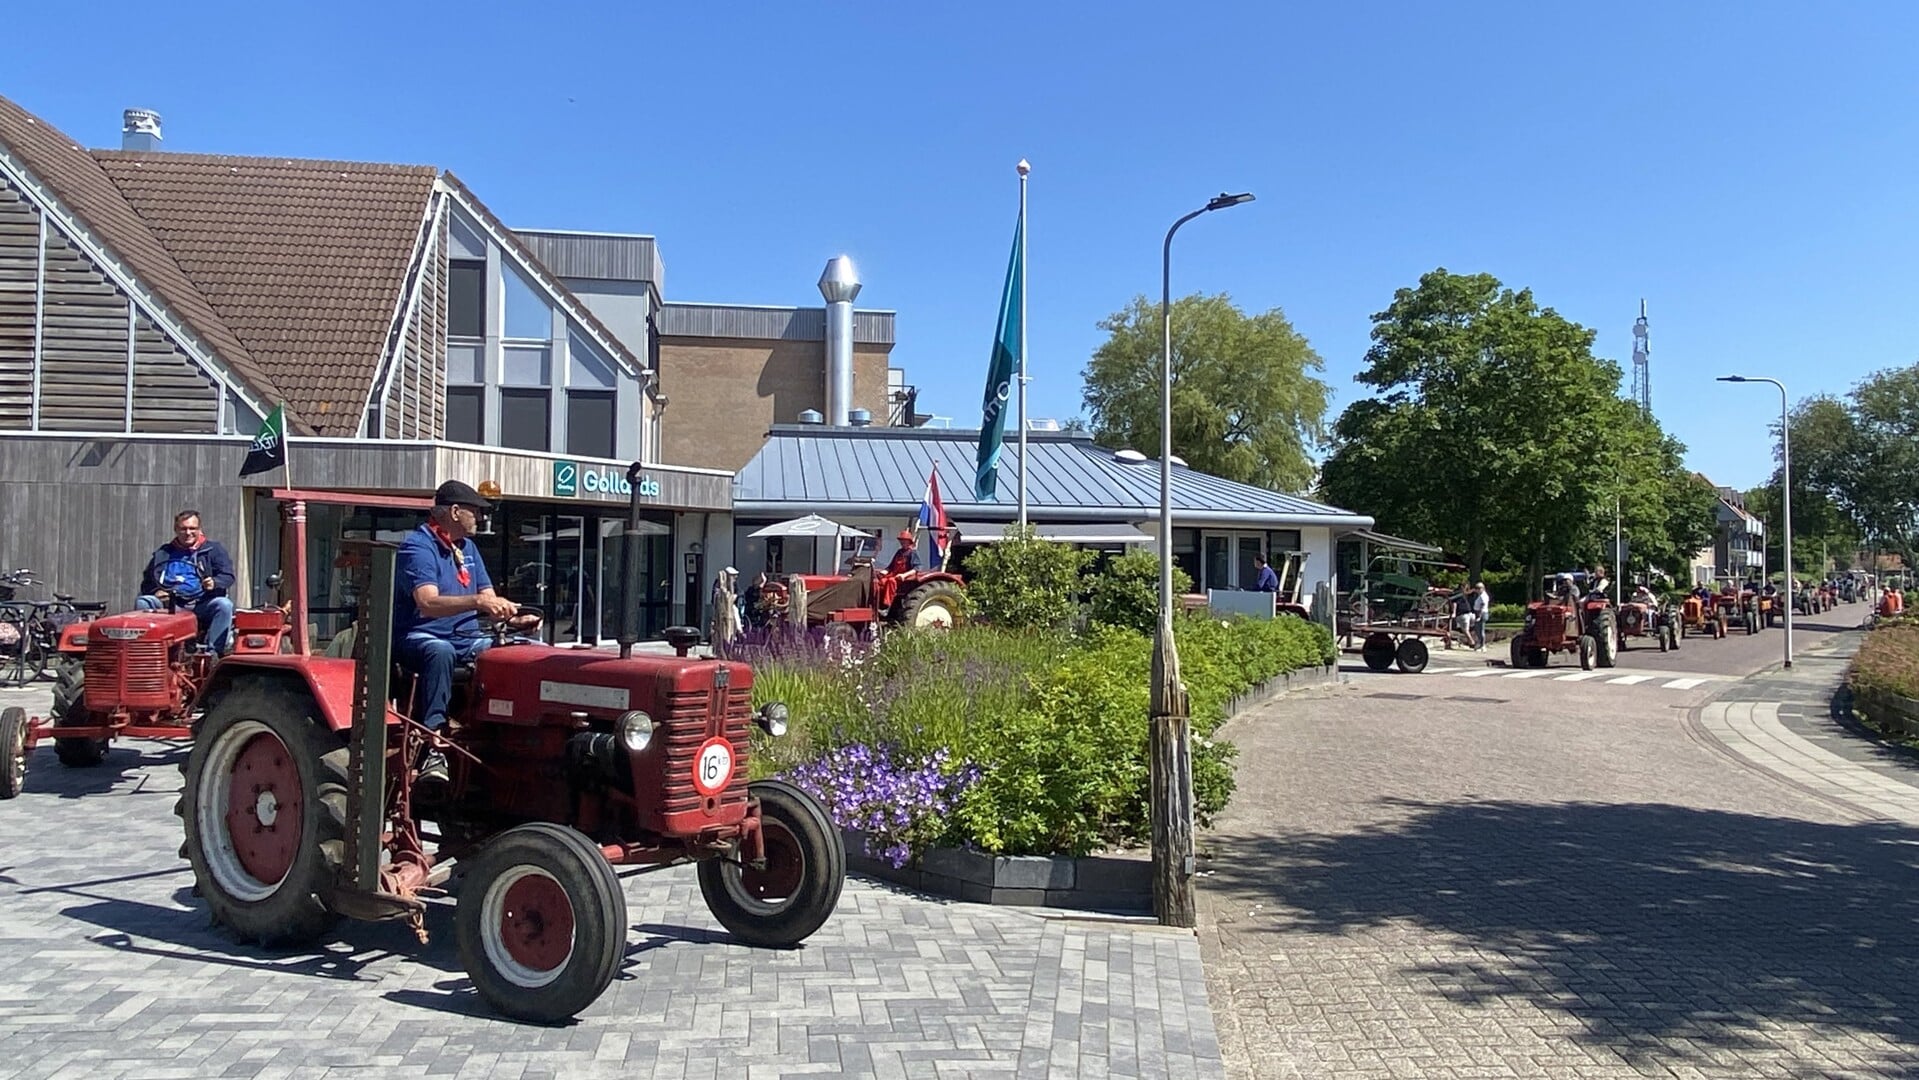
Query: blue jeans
point(214, 612)
point(433, 660)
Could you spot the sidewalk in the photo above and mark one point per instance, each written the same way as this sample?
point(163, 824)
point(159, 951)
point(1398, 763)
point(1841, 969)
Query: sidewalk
point(1788, 725)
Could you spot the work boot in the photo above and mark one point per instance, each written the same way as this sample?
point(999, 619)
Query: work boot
point(433, 768)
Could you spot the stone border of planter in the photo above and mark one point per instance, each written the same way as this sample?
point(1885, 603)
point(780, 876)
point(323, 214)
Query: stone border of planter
point(1891, 710)
point(1121, 884)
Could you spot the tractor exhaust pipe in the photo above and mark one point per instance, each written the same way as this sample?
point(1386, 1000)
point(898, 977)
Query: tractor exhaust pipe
point(630, 569)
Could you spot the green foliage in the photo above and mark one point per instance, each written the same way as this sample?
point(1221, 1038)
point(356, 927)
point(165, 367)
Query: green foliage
point(1888, 660)
point(1856, 467)
point(1126, 593)
point(1246, 404)
point(1057, 725)
point(1025, 583)
point(1485, 395)
point(1506, 613)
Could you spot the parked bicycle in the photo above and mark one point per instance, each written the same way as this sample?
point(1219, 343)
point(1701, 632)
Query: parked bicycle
point(30, 629)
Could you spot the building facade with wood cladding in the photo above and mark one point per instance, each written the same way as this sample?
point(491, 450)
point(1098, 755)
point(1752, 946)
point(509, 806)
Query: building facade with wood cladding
point(154, 306)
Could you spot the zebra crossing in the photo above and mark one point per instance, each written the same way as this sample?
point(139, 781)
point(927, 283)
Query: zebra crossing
point(1664, 680)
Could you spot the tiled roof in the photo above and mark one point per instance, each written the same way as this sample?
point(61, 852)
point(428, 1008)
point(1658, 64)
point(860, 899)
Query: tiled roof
point(885, 469)
point(83, 187)
point(304, 260)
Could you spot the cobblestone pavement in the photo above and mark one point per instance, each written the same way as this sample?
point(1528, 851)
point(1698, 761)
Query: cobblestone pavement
point(108, 969)
point(1552, 879)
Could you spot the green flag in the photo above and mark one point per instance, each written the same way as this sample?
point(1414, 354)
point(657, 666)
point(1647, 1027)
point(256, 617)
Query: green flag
point(999, 376)
point(269, 449)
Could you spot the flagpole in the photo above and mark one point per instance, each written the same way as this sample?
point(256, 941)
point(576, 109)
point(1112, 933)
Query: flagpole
point(1023, 168)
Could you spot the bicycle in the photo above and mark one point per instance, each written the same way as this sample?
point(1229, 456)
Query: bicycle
point(35, 627)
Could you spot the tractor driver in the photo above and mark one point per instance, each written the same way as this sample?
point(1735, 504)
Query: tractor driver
point(443, 589)
point(904, 559)
point(192, 573)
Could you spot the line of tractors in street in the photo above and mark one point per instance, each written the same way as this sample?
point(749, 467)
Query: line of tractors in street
point(1576, 618)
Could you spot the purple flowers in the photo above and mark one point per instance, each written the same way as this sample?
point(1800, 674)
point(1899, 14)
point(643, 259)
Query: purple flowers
point(899, 806)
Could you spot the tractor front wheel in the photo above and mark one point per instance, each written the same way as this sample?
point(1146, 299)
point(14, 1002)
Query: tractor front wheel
point(541, 923)
point(1605, 640)
point(1587, 647)
point(263, 814)
point(1719, 627)
point(781, 904)
point(935, 605)
point(13, 751)
point(1664, 633)
point(70, 710)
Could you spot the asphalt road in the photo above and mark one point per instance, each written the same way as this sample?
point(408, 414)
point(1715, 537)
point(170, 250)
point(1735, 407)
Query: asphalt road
point(1547, 872)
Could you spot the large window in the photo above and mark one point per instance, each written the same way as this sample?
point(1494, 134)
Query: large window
point(466, 298)
point(525, 419)
point(528, 317)
point(589, 423)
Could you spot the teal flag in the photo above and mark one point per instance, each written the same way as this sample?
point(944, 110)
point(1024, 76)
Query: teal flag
point(999, 377)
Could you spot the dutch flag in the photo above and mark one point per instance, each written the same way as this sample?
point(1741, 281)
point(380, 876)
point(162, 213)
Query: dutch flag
point(933, 519)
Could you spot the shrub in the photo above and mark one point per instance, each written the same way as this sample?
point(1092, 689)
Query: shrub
point(1025, 583)
point(900, 806)
point(1126, 593)
point(1888, 660)
point(1506, 613)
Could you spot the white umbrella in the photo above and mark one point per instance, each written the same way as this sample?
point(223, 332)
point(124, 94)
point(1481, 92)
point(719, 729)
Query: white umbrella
point(811, 525)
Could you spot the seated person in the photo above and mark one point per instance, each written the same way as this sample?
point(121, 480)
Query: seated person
point(1643, 595)
point(192, 573)
point(904, 559)
point(441, 590)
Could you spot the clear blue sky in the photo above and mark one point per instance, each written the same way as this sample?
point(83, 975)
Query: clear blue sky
point(1748, 169)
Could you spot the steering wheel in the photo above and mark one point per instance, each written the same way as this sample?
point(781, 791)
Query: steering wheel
point(502, 629)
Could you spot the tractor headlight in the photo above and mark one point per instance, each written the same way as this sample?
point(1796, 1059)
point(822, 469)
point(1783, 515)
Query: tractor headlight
point(772, 718)
point(636, 731)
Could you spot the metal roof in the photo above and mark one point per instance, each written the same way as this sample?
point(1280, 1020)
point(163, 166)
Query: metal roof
point(808, 468)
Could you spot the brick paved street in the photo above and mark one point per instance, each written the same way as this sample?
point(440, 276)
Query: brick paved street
point(108, 968)
point(1433, 876)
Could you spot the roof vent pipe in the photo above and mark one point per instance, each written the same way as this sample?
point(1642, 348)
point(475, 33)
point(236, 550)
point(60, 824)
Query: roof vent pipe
point(860, 418)
point(839, 284)
point(139, 130)
point(810, 416)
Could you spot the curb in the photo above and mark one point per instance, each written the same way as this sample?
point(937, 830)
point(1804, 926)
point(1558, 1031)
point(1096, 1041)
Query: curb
point(1116, 884)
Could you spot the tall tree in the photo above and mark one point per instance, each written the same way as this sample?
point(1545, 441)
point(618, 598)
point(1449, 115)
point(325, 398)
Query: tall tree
point(1498, 434)
point(1246, 401)
point(1861, 455)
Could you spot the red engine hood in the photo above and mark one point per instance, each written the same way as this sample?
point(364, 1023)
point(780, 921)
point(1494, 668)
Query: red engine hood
point(144, 626)
point(518, 684)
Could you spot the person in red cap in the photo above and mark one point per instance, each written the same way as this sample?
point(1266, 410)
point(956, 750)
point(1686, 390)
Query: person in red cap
point(904, 559)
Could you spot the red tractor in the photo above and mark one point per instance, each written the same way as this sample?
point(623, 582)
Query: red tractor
point(1571, 619)
point(851, 603)
point(1645, 616)
point(143, 674)
point(303, 802)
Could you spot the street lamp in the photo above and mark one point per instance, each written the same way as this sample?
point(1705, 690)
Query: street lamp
point(1171, 750)
point(1785, 489)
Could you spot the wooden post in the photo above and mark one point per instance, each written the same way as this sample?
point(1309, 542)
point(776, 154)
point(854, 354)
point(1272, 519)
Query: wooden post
point(1171, 809)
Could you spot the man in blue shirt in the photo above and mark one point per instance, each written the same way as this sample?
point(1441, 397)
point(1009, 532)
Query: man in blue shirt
point(1268, 580)
point(441, 591)
point(192, 573)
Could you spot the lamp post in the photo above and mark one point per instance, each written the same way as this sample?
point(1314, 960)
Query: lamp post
point(1171, 749)
point(1785, 490)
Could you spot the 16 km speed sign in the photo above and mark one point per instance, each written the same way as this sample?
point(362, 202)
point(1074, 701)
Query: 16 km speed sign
point(713, 766)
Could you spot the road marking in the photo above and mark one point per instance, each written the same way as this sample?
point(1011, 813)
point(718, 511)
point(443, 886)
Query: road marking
point(1479, 673)
point(1628, 680)
point(1579, 676)
point(1529, 674)
point(1683, 684)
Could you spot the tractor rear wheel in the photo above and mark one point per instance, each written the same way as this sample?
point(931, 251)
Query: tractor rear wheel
point(1378, 652)
point(1587, 647)
point(70, 710)
point(934, 605)
point(541, 922)
point(264, 814)
point(1605, 635)
point(781, 905)
point(13, 751)
point(1411, 655)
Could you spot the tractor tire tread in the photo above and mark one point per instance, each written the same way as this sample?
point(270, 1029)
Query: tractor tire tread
point(70, 707)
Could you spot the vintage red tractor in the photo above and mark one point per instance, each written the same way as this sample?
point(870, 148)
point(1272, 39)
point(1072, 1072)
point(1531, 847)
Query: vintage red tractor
point(1570, 620)
point(1698, 615)
point(1644, 616)
point(143, 674)
point(302, 803)
point(1734, 608)
point(855, 602)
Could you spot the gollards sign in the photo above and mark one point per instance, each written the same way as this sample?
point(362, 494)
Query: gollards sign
point(571, 480)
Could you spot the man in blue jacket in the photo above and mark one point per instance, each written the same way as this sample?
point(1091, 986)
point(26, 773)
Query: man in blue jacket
point(192, 573)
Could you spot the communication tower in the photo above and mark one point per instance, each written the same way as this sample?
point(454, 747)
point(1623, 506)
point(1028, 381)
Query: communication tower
point(1641, 363)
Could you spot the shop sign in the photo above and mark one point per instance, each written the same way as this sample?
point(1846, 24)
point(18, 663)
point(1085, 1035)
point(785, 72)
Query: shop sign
point(571, 479)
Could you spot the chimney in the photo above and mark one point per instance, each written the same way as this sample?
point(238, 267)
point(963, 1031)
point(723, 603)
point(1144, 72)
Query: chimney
point(140, 130)
point(839, 284)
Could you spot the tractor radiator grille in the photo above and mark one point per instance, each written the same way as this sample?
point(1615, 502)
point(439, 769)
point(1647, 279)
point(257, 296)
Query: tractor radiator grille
point(128, 674)
point(692, 717)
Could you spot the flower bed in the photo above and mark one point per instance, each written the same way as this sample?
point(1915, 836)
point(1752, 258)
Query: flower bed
point(1884, 677)
point(1008, 743)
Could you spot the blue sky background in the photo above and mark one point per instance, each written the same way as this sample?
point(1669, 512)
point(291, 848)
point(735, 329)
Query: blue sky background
point(1748, 169)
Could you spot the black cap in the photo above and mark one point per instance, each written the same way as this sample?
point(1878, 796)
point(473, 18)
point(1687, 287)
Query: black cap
point(455, 493)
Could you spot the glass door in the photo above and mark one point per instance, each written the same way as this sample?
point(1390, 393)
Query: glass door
point(566, 592)
point(1218, 562)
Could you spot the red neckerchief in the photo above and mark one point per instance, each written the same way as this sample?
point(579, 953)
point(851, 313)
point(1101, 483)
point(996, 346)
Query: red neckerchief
point(458, 550)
